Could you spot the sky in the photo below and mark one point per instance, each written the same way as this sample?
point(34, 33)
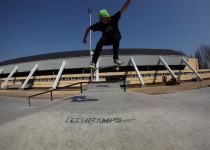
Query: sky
point(32, 27)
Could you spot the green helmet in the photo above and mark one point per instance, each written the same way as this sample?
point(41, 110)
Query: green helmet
point(103, 13)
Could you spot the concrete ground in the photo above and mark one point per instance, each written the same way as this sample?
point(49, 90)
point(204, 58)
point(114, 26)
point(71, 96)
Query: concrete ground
point(108, 120)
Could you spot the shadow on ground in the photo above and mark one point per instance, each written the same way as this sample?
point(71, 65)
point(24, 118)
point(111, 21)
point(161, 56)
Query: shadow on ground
point(81, 99)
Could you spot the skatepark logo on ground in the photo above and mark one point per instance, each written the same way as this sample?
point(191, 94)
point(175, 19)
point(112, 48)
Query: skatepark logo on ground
point(102, 86)
point(98, 120)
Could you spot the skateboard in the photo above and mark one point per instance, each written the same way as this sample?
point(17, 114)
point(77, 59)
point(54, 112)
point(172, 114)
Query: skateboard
point(103, 67)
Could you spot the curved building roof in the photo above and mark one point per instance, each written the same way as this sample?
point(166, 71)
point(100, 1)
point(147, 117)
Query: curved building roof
point(83, 53)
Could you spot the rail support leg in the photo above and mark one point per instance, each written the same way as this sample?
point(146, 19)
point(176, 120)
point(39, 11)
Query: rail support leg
point(124, 87)
point(81, 87)
point(29, 102)
point(51, 96)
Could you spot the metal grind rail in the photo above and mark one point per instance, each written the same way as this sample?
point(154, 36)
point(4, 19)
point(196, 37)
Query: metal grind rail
point(51, 91)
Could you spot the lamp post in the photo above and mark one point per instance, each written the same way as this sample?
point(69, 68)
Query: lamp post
point(91, 52)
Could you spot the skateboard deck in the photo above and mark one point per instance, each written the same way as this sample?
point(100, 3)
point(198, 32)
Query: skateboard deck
point(103, 67)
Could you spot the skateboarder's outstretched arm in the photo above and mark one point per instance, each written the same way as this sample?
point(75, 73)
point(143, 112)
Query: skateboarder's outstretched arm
point(86, 34)
point(125, 6)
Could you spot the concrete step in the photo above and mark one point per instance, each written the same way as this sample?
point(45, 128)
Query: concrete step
point(104, 87)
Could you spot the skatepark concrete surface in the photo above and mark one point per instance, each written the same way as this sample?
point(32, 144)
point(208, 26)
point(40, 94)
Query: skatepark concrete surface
point(108, 120)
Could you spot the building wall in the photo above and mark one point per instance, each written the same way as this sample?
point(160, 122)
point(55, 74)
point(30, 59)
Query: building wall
point(193, 62)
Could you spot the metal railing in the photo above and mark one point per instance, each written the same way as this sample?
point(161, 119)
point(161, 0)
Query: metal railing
point(51, 91)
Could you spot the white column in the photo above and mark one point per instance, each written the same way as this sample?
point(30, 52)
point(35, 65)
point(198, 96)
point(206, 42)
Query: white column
point(137, 71)
point(29, 76)
point(192, 68)
point(167, 67)
point(10, 75)
point(1, 70)
point(59, 75)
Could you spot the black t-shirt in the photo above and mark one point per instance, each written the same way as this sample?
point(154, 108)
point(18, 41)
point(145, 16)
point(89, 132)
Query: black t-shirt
point(109, 29)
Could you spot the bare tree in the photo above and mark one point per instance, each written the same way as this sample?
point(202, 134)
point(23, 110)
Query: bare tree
point(203, 56)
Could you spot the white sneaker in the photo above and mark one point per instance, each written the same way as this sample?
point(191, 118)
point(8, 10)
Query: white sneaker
point(118, 62)
point(92, 66)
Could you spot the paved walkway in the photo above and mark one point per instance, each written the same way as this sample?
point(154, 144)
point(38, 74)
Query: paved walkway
point(109, 120)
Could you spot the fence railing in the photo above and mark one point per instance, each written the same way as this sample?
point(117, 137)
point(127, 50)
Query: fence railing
point(81, 90)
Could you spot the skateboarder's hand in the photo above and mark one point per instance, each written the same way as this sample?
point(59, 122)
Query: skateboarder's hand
point(85, 41)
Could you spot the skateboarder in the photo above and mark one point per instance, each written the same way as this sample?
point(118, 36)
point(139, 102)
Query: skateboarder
point(110, 34)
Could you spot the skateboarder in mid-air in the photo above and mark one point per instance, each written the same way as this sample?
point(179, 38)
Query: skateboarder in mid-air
point(110, 34)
